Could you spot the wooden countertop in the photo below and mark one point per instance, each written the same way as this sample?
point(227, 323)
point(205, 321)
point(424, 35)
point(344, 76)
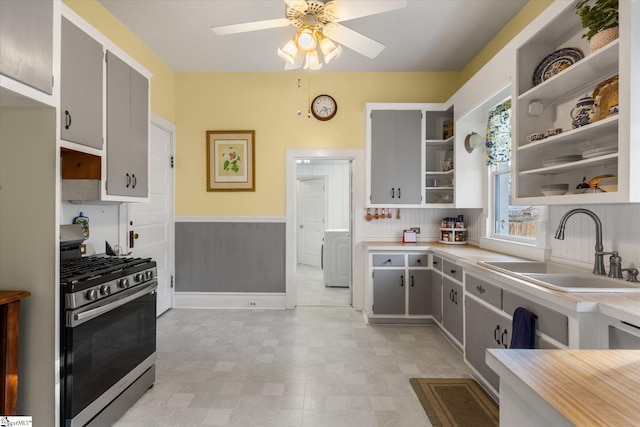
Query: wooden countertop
point(622, 306)
point(588, 387)
point(7, 297)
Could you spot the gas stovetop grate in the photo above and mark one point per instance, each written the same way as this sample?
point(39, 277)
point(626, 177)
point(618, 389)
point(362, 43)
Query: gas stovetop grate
point(73, 270)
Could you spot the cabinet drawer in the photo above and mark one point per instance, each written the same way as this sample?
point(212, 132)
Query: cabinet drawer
point(388, 260)
point(549, 322)
point(484, 290)
point(419, 260)
point(543, 344)
point(437, 263)
point(622, 340)
point(452, 270)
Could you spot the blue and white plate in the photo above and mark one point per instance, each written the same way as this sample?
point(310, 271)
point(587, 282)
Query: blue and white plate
point(555, 62)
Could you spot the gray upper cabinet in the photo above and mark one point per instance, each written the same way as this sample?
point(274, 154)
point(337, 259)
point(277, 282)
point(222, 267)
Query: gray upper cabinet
point(81, 98)
point(396, 151)
point(127, 129)
point(26, 42)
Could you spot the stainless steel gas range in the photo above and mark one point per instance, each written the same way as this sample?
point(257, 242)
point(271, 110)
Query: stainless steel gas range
point(107, 332)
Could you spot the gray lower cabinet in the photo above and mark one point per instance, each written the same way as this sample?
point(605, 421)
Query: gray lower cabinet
point(436, 295)
point(419, 292)
point(452, 308)
point(623, 340)
point(396, 159)
point(26, 42)
point(485, 328)
point(388, 291)
point(127, 129)
point(81, 87)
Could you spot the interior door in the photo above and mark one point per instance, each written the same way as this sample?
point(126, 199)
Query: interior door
point(151, 224)
point(311, 220)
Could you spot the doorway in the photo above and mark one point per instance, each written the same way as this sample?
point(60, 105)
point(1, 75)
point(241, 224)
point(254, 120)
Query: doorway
point(354, 158)
point(323, 265)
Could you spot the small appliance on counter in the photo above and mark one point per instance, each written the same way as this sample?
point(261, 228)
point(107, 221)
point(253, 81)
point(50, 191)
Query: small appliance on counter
point(452, 231)
point(409, 236)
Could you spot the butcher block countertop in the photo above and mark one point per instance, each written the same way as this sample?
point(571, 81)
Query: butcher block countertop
point(587, 387)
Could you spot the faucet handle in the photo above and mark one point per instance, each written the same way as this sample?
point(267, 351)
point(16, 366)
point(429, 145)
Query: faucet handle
point(615, 266)
point(633, 274)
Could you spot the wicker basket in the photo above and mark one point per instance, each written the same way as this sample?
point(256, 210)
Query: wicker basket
point(602, 38)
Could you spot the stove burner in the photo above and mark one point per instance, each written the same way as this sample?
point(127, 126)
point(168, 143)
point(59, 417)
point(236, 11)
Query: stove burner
point(77, 269)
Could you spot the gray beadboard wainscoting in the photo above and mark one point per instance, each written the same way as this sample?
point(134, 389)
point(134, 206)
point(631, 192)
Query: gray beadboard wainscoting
point(230, 257)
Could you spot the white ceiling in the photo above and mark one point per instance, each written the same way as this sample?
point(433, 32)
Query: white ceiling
point(427, 35)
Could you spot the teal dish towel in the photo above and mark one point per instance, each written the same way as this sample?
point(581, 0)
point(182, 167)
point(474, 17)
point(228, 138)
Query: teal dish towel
point(523, 334)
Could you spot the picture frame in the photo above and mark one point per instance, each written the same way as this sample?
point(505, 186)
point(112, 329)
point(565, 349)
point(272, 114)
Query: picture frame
point(231, 160)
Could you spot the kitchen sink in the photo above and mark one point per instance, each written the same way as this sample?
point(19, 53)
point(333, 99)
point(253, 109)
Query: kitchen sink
point(560, 277)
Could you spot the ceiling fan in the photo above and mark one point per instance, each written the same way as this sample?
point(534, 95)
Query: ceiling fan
point(318, 23)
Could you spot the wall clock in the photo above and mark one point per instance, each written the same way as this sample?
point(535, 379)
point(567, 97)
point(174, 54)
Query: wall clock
point(324, 107)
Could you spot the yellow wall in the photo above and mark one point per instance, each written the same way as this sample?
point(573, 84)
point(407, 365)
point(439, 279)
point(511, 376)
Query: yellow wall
point(530, 11)
point(163, 80)
point(267, 103)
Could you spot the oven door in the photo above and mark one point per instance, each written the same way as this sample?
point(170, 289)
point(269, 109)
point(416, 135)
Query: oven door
point(104, 349)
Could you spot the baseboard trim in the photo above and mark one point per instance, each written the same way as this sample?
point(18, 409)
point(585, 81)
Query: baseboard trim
point(238, 300)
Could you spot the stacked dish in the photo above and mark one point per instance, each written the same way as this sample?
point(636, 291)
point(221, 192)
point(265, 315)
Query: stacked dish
point(608, 184)
point(600, 151)
point(554, 189)
point(559, 160)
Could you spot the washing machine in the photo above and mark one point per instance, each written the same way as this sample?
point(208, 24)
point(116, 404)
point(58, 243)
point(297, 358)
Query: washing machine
point(336, 258)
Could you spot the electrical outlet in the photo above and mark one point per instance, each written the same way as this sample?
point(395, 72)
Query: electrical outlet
point(253, 303)
point(416, 229)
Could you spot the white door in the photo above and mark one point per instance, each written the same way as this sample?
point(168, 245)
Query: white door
point(311, 219)
point(150, 225)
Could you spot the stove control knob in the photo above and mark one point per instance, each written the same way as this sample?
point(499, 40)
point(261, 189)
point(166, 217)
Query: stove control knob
point(123, 283)
point(105, 290)
point(148, 275)
point(139, 277)
point(92, 294)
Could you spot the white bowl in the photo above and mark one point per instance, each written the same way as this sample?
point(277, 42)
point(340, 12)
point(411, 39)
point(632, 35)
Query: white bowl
point(554, 192)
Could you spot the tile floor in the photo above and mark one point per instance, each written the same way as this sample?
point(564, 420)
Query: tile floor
point(312, 366)
point(311, 291)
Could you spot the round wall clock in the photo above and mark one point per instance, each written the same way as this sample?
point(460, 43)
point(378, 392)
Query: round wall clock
point(324, 107)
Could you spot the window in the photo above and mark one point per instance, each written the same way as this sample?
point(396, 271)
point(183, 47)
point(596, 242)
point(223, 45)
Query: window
point(509, 221)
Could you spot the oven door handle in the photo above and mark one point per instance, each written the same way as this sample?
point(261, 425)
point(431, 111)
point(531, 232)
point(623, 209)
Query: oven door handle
point(79, 318)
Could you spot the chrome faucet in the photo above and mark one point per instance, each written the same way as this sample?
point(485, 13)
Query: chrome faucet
point(598, 265)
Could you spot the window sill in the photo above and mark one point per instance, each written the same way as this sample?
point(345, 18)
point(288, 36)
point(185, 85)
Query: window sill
point(514, 248)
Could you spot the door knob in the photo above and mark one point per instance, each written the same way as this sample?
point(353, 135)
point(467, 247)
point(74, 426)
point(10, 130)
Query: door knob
point(132, 236)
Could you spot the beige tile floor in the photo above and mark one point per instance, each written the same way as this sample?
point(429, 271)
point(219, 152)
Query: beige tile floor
point(311, 290)
point(312, 366)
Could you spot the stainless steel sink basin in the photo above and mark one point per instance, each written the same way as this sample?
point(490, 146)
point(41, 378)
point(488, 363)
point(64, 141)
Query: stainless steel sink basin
point(582, 283)
point(530, 267)
point(560, 277)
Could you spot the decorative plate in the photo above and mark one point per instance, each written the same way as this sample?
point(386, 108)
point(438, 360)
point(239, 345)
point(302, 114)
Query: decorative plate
point(555, 62)
point(608, 93)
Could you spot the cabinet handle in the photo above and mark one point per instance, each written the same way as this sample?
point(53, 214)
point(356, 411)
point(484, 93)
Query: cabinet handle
point(412, 281)
point(393, 193)
point(401, 280)
point(399, 193)
point(67, 119)
point(388, 261)
point(455, 297)
point(128, 180)
point(502, 338)
point(496, 331)
point(435, 263)
point(135, 180)
point(453, 272)
point(480, 289)
point(451, 295)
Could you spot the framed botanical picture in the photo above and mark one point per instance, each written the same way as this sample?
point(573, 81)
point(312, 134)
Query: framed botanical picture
point(230, 160)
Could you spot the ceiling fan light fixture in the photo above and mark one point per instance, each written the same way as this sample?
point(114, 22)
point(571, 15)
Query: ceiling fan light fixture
point(305, 40)
point(311, 61)
point(329, 49)
point(288, 52)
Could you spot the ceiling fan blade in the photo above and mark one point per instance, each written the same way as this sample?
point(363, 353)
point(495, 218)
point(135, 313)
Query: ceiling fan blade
point(299, 5)
point(345, 10)
point(224, 30)
point(353, 40)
